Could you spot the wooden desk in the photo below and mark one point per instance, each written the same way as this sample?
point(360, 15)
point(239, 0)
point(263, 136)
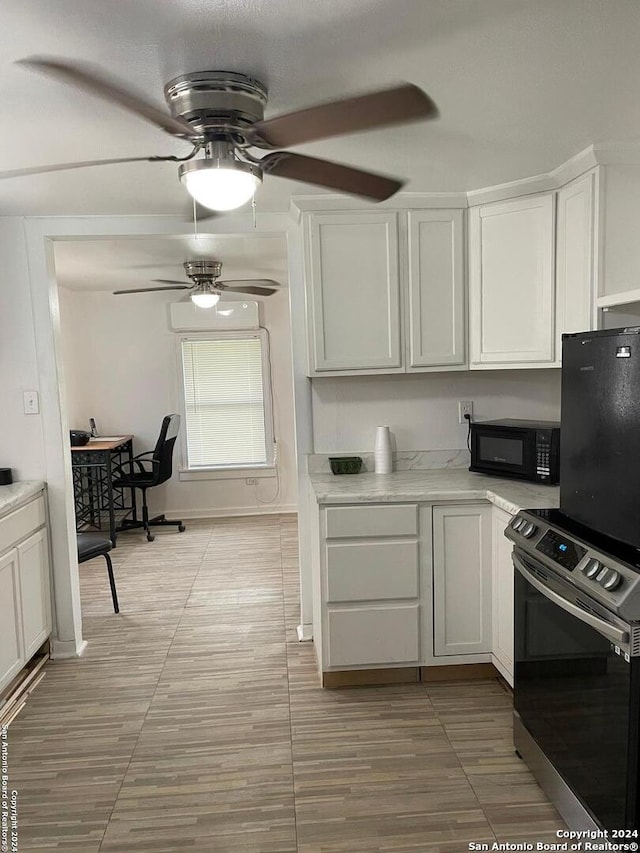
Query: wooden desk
point(97, 503)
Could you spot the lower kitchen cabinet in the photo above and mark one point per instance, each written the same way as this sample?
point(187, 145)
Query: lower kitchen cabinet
point(370, 588)
point(461, 579)
point(502, 585)
point(405, 585)
point(24, 586)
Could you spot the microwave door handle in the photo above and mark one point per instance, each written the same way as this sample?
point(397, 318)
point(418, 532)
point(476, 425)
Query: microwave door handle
point(616, 635)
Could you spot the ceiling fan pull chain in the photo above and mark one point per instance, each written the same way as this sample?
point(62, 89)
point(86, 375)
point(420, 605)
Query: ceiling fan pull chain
point(253, 209)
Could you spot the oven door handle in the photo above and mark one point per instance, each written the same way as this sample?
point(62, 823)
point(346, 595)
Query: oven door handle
point(616, 635)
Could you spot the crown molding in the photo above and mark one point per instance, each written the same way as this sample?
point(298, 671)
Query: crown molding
point(610, 153)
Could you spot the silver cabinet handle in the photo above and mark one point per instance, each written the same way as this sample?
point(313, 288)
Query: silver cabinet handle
point(616, 635)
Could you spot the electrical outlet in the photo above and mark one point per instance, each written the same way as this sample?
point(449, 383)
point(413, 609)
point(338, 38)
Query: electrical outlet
point(251, 481)
point(465, 407)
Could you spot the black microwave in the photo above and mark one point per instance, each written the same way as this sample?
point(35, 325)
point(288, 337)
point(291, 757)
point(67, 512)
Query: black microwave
point(524, 450)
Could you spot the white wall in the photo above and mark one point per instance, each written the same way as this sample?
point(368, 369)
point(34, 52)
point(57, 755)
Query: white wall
point(21, 443)
point(422, 409)
point(120, 367)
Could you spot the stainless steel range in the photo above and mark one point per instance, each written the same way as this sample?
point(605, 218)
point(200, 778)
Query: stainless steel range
point(577, 667)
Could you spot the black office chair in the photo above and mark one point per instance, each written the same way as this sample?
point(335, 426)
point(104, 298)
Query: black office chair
point(145, 478)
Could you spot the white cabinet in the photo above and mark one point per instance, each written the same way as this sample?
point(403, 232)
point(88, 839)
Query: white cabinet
point(353, 293)
point(369, 584)
point(462, 579)
point(385, 291)
point(512, 283)
point(24, 586)
point(502, 586)
point(33, 565)
point(436, 290)
point(11, 642)
point(576, 244)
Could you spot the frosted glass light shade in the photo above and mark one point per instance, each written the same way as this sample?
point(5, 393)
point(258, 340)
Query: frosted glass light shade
point(204, 299)
point(220, 184)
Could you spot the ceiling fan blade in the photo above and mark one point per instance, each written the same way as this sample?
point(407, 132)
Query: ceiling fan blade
point(60, 167)
point(84, 77)
point(249, 282)
point(170, 281)
point(254, 289)
point(324, 173)
point(398, 105)
point(151, 289)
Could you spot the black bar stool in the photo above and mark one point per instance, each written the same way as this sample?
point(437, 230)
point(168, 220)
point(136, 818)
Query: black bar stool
point(92, 545)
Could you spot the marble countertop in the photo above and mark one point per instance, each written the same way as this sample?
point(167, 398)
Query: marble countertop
point(13, 496)
point(434, 485)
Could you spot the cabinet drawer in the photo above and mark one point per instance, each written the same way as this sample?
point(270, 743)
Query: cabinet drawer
point(21, 523)
point(373, 635)
point(361, 571)
point(352, 521)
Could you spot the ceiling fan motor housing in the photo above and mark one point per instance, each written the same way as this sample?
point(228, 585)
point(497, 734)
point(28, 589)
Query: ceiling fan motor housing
point(201, 271)
point(217, 103)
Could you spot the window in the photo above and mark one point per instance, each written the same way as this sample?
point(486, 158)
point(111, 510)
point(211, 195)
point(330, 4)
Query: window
point(227, 400)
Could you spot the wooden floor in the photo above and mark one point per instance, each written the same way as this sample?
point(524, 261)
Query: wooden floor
point(195, 723)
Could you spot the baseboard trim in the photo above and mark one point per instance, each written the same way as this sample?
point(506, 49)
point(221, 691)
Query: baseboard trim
point(237, 511)
point(458, 672)
point(61, 649)
point(305, 633)
point(371, 677)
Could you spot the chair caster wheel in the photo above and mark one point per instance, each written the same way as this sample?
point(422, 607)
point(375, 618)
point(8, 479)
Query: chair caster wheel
point(181, 528)
point(150, 538)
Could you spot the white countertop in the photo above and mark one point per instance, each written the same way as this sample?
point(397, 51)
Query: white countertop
point(447, 484)
point(13, 496)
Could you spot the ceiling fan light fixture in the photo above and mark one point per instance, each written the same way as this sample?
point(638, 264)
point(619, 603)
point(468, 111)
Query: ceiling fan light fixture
point(205, 296)
point(220, 183)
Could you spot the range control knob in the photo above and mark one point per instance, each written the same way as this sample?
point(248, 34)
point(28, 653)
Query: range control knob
point(528, 530)
point(518, 522)
point(592, 568)
point(612, 580)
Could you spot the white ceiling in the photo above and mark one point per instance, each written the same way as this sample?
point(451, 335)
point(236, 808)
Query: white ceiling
point(136, 262)
point(521, 85)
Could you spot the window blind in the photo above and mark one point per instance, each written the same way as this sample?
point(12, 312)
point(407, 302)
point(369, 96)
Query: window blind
point(224, 402)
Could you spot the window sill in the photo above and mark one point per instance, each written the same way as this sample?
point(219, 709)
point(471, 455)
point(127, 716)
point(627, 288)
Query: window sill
point(265, 471)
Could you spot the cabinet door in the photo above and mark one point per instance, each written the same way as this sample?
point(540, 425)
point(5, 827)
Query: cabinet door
point(575, 258)
point(353, 295)
point(12, 655)
point(511, 282)
point(462, 579)
point(33, 563)
point(436, 289)
point(502, 586)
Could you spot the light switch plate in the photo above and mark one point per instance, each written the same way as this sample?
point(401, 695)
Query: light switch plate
point(31, 403)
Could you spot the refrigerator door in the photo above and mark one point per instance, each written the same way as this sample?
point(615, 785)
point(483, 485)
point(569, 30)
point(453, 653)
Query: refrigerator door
point(600, 438)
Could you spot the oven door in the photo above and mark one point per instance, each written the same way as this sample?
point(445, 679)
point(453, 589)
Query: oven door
point(503, 451)
point(574, 690)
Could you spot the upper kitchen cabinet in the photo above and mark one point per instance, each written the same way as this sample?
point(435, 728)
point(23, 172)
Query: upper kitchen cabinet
point(512, 283)
point(575, 256)
point(353, 292)
point(385, 290)
point(436, 290)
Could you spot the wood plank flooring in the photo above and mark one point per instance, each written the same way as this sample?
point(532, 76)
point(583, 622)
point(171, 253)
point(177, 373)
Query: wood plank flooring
point(195, 723)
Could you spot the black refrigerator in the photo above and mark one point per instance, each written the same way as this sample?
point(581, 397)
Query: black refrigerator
point(600, 438)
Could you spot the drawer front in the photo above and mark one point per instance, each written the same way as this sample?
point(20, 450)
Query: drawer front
point(368, 571)
point(375, 636)
point(19, 524)
point(352, 521)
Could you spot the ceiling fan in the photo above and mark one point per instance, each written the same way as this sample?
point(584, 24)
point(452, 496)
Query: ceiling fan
point(221, 114)
point(207, 288)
